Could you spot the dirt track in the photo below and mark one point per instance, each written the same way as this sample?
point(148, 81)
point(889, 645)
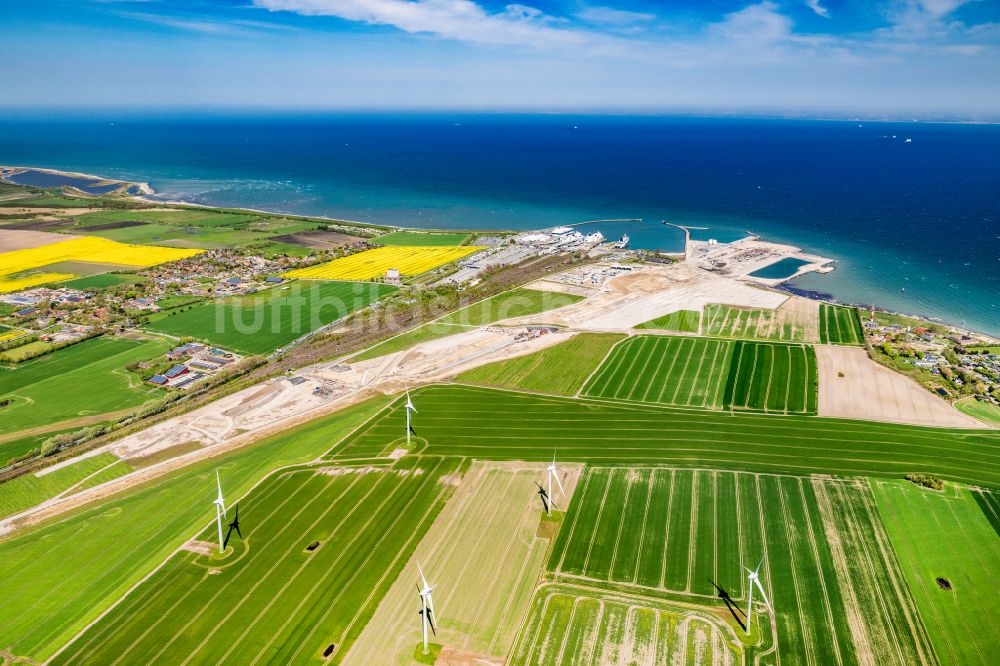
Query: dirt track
point(870, 391)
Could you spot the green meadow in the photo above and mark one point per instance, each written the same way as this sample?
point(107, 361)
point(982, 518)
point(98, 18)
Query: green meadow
point(108, 546)
point(945, 535)
point(83, 380)
point(416, 238)
point(25, 491)
point(365, 521)
point(839, 325)
point(507, 425)
point(559, 370)
point(270, 319)
point(682, 321)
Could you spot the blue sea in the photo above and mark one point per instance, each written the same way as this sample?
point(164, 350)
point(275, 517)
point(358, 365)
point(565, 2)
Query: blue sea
point(914, 225)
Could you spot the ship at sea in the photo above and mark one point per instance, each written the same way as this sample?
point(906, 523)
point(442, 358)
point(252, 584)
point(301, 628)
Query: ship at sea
point(622, 242)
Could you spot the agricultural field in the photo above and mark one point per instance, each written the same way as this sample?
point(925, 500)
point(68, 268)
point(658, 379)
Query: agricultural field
point(680, 371)
point(506, 425)
point(559, 370)
point(91, 250)
point(103, 281)
point(796, 320)
point(682, 321)
point(484, 553)
point(839, 325)
point(772, 378)
point(419, 238)
point(569, 625)
point(270, 319)
point(110, 546)
point(371, 264)
point(8, 285)
point(84, 380)
point(28, 490)
point(948, 552)
point(508, 305)
point(988, 413)
point(989, 502)
point(658, 531)
point(269, 597)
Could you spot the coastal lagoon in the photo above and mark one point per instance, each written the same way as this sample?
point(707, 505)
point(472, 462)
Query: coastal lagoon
point(914, 226)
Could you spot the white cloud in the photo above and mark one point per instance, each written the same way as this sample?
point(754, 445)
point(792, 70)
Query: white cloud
point(461, 20)
point(613, 17)
point(818, 8)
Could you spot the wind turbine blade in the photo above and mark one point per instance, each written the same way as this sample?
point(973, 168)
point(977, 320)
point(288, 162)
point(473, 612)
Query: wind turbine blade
point(761, 588)
point(749, 606)
point(422, 578)
point(759, 565)
point(559, 483)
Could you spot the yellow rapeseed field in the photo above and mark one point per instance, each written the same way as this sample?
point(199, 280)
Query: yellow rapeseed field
point(374, 263)
point(91, 249)
point(17, 284)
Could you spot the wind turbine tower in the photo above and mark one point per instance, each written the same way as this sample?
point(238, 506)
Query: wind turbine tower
point(427, 610)
point(220, 510)
point(554, 474)
point(754, 579)
point(410, 409)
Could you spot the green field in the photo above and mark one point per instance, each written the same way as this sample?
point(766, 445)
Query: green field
point(505, 425)
point(772, 378)
point(946, 535)
point(270, 598)
point(709, 373)
point(666, 370)
point(510, 304)
point(273, 318)
point(85, 379)
point(986, 412)
point(663, 530)
point(839, 325)
point(781, 324)
point(414, 238)
point(559, 370)
point(111, 545)
point(103, 281)
point(568, 625)
point(682, 321)
point(23, 352)
point(25, 491)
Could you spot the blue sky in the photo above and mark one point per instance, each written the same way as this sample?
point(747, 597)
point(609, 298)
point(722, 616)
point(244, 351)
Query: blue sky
point(815, 57)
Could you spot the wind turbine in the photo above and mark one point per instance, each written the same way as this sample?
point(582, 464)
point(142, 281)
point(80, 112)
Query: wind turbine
point(554, 474)
point(220, 511)
point(754, 579)
point(427, 610)
point(409, 409)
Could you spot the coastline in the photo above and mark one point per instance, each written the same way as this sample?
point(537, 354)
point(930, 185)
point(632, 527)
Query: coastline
point(816, 263)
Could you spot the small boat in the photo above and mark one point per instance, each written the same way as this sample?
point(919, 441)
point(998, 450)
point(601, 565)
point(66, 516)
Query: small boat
point(622, 242)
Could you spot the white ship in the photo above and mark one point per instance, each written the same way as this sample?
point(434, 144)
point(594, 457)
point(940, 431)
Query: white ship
point(622, 242)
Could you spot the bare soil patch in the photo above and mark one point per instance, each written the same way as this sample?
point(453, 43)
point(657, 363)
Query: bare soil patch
point(19, 239)
point(200, 547)
point(317, 240)
point(852, 385)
